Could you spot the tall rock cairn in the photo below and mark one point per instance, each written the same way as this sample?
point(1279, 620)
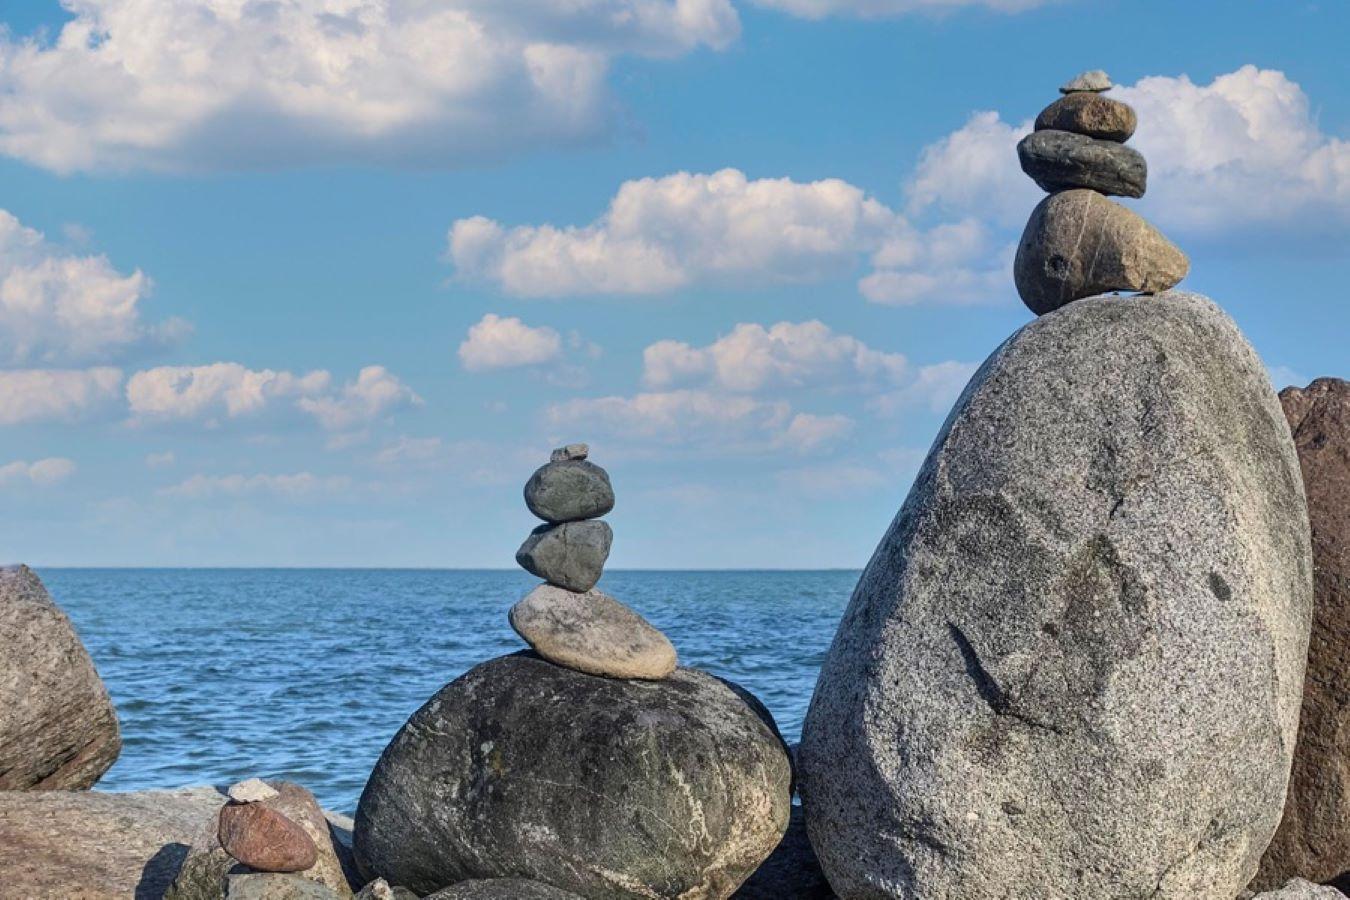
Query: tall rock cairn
point(567, 621)
point(1079, 243)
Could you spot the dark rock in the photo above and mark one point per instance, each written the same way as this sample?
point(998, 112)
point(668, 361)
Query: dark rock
point(791, 871)
point(593, 633)
point(604, 787)
point(1090, 114)
point(1073, 666)
point(264, 839)
point(502, 889)
point(569, 490)
point(1313, 841)
point(571, 555)
point(1079, 244)
point(58, 730)
point(1062, 161)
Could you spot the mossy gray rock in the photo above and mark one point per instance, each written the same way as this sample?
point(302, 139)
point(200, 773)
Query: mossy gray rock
point(606, 788)
point(1073, 666)
point(1063, 160)
point(568, 490)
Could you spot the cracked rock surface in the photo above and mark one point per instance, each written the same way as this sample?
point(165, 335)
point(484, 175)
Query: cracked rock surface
point(1073, 666)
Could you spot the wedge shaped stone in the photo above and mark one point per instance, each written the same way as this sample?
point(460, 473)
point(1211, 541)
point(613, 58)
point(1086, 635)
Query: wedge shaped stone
point(1062, 161)
point(571, 555)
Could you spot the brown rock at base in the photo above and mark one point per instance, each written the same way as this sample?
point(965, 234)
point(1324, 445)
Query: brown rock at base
point(58, 730)
point(1090, 114)
point(264, 839)
point(1079, 244)
point(1313, 841)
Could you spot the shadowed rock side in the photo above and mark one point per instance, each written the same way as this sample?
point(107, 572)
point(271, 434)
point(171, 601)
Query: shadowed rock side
point(1073, 666)
point(1314, 837)
point(602, 787)
point(791, 871)
point(58, 730)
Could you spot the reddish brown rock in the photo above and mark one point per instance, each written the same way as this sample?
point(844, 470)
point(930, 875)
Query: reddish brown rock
point(264, 839)
point(1313, 840)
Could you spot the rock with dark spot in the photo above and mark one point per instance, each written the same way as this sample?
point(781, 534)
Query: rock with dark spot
point(571, 555)
point(1079, 244)
point(58, 730)
point(593, 633)
point(1034, 691)
point(568, 490)
point(791, 871)
point(599, 786)
point(1090, 114)
point(502, 889)
point(1062, 161)
point(264, 839)
point(1314, 837)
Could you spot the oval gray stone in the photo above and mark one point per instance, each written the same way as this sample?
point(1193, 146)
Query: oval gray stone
point(1090, 114)
point(502, 889)
point(568, 490)
point(1073, 666)
point(571, 555)
point(592, 632)
point(602, 787)
point(58, 729)
point(1079, 244)
point(1062, 161)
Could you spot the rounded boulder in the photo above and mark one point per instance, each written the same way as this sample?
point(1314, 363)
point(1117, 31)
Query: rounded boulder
point(568, 490)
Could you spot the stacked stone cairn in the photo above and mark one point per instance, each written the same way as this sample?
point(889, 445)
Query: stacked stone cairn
point(565, 620)
point(1078, 243)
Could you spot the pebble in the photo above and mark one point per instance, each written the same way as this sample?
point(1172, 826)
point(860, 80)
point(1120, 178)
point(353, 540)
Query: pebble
point(592, 633)
point(1094, 81)
point(571, 555)
point(264, 839)
point(1090, 114)
point(569, 490)
point(252, 790)
point(1062, 160)
point(571, 451)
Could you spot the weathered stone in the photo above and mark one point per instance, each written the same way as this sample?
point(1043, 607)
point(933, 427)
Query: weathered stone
point(1073, 666)
point(1062, 161)
point(1090, 114)
point(571, 451)
point(1079, 244)
point(569, 490)
point(791, 871)
point(1298, 889)
point(264, 839)
point(251, 791)
point(502, 889)
point(58, 730)
point(603, 787)
point(379, 889)
point(571, 555)
point(274, 886)
point(94, 845)
point(1314, 836)
point(592, 632)
point(1094, 81)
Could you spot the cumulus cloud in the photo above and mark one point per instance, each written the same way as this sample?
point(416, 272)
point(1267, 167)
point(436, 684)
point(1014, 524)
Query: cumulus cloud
point(375, 393)
point(39, 395)
point(200, 84)
point(876, 9)
point(497, 342)
point(299, 484)
point(42, 472)
point(57, 308)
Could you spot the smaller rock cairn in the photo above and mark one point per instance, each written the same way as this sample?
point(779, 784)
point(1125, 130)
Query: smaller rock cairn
point(566, 621)
point(260, 837)
point(1078, 243)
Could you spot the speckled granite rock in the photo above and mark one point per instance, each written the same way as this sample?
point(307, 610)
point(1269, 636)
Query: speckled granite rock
point(272, 886)
point(568, 490)
point(1073, 666)
point(502, 889)
point(791, 871)
point(571, 555)
point(593, 633)
point(1062, 161)
point(1314, 837)
point(1297, 889)
point(1090, 114)
point(607, 788)
point(58, 730)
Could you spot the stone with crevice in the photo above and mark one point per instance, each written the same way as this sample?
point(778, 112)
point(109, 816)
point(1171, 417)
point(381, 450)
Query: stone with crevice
point(592, 632)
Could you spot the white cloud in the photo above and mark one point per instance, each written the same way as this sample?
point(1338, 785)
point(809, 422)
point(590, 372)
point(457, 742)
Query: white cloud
point(61, 309)
point(52, 470)
point(875, 9)
point(973, 173)
point(500, 343)
point(375, 393)
point(203, 84)
point(299, 484)
point(160, 460)
point(37, 395)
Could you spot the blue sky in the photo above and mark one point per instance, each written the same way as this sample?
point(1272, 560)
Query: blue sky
point(320, 282)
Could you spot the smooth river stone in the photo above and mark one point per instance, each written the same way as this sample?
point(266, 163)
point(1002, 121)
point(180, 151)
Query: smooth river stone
point(264, 839)
point(592, 632)
point(1079, 244)
point(1090, 114)
point(571, 555)
point(1094, 81)
point(1062, 161)
point(502, 889)
point(1073, 667)
point(568, 490)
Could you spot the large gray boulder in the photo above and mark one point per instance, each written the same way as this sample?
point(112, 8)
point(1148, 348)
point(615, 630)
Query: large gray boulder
point(1073, 666)
point(602, 787)
point(58, 730)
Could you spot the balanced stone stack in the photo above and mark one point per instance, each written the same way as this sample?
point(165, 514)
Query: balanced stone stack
point(567, 621)
point(1079, 243)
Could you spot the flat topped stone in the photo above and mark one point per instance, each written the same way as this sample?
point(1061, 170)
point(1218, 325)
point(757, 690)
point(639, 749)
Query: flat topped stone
point(571, 555)
point(251, 790)
point(1063, 160)
point(592, 633)
point(571, 451)
point(569, 490)
point(1090, 114)
point(1094, 81)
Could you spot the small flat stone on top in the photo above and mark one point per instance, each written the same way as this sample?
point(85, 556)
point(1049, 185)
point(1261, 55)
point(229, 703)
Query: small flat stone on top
point(593, 633)
point(1094, 81)
point(251, 790)
point(571, 451)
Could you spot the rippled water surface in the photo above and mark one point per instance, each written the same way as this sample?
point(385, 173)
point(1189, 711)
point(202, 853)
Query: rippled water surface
point(306, 674)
